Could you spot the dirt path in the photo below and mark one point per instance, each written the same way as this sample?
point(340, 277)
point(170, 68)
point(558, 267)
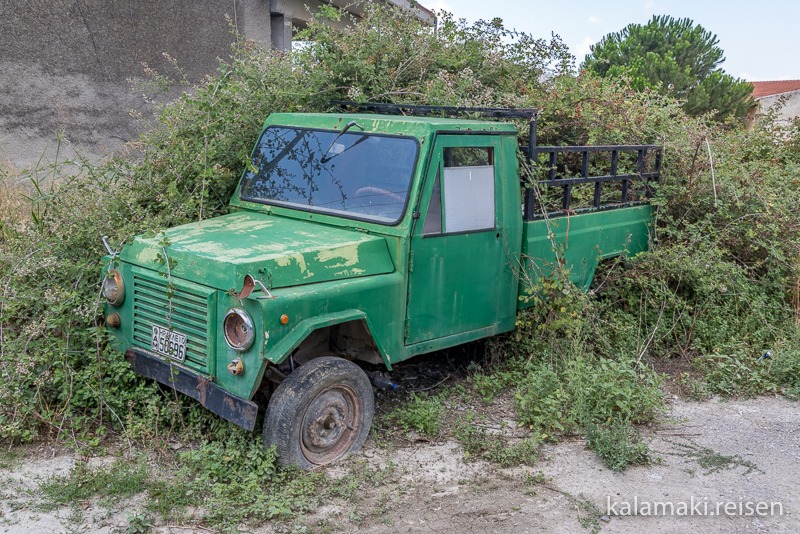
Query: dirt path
point(733, 453)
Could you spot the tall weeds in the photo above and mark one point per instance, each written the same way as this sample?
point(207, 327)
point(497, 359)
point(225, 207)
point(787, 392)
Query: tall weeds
point(13, 204)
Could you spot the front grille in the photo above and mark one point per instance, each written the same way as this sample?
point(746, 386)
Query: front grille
point(186, 312)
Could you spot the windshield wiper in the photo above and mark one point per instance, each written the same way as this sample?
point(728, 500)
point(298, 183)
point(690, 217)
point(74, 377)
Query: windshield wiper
point(326, 158)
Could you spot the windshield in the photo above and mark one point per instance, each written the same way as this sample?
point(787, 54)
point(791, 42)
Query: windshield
point(352, 174)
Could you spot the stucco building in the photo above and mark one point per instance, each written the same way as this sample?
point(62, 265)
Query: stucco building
point(767, 94)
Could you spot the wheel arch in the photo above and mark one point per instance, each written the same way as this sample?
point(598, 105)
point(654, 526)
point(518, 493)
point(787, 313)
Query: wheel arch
point(303, 333)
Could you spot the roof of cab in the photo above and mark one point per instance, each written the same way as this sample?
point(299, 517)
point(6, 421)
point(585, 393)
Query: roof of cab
point(388, 124)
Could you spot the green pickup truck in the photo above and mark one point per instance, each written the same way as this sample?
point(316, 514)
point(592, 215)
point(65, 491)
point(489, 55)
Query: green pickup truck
point(367, 237)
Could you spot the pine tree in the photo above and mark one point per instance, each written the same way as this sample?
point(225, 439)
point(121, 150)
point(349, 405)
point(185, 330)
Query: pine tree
point(674, 57)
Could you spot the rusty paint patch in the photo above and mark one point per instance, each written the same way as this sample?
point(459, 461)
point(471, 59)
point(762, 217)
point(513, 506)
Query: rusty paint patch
point(202, 390)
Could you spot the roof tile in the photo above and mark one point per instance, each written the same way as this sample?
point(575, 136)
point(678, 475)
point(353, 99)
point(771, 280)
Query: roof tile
point(776, 87)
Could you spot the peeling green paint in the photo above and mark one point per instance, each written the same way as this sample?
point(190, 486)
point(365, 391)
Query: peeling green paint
point(300, 260)
point(291, 251)
point(348, 254)
point(147, 255)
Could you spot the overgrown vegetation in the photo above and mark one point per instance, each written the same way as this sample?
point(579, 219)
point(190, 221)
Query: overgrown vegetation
point(719, 288)
point(12, 205)
point(227, 483)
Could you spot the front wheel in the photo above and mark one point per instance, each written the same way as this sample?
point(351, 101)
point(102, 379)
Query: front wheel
point(320, 413)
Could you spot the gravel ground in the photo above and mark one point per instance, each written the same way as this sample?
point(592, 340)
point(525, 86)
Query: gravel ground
point(711, 455)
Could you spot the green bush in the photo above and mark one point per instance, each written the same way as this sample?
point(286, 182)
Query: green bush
point(744, 375)
point(785, 370)
point(585, 391)
point(619, 446)
point(540, 401)
point(604, 391)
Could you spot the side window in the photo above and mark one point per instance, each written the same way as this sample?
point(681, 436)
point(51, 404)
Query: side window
point(433, 221)
point(468, 189)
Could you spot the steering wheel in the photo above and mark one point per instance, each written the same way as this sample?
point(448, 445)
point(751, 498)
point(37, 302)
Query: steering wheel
point(371, 190)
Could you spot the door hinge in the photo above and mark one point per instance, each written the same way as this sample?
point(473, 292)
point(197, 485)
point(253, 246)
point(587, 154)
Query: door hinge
point(411, 262)
point(407, 329)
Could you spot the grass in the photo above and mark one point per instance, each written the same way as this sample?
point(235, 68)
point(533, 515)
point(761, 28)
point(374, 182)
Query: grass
point(421, 414)
point(10, 458)
point(13, 204)
point(225, 483)
point(362, 480)
point(581, 395)
point(233, 482)
point(588, 514)
point(712, 461)
point(481, 444)
point(369, 492)
point(123, 478)
point(139, 524)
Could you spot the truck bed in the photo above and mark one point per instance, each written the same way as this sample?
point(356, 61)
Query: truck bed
point(579, 242)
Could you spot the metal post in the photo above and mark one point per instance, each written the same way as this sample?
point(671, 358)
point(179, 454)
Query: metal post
point(530, 197)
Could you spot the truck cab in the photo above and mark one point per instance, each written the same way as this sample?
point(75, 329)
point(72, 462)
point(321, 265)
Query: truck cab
point(352, 237)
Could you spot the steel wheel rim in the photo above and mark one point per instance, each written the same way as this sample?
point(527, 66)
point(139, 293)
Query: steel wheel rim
point(330, 424)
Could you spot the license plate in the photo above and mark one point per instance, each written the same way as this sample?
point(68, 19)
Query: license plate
point(168, 343)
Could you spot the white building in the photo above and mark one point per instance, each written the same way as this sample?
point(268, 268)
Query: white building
point(767, 94)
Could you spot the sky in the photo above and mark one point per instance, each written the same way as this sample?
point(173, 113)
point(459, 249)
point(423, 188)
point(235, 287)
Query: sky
point(761, 40)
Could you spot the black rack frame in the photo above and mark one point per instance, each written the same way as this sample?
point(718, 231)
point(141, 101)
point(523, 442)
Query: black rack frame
point(531, 209)
point(452, 111)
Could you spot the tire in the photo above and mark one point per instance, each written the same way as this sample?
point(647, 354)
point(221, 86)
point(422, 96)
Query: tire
point(320, 413)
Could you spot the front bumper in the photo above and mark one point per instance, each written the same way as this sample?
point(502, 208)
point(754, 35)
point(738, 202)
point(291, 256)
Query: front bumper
point(241, 412)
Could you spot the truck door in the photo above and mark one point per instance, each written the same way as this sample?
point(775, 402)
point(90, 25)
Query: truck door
point(458, 270)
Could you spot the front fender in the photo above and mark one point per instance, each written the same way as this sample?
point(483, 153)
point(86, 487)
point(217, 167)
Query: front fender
point(281, 350)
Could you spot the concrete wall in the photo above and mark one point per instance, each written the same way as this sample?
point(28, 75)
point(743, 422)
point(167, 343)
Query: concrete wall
point(108, 39)
point(66, 65)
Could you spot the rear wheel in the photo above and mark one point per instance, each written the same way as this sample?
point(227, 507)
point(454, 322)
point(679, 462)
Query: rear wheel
point(320, 413)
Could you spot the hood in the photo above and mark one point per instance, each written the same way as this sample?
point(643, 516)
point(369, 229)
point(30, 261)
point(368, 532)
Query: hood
point(279, 251)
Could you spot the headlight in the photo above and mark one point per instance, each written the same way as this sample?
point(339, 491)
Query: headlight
point(238, 329)
point(113, 288)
